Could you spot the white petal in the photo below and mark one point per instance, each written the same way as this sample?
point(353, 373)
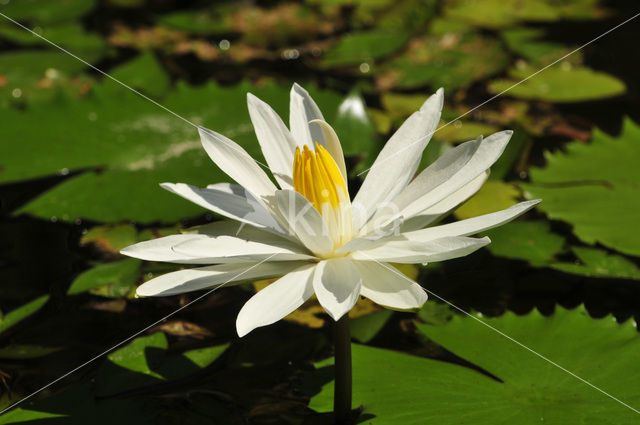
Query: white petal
point(206, 277)
point(332, 145)
point(237, 163)
point(276, 142)
point(450, 173)
point(436, 211)
point(276, 300)
point(303, 109)
point(305, 221)
point(336, 283)
point(229, 200)
point(385, 285)
point(397, 162)
point(373, 237)
point(473, 225)
point(225, 249)
point(407, 251)
point(160, 249)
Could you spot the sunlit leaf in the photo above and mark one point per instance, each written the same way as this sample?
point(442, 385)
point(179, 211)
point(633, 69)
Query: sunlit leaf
point(561, 83)
point(451, 60)
point(129, 146)
point(115, 279)
point(531, 241)
point(414, 390)
point(595, 262)
point(499, 13)
point(593, 186)
point(492, 196)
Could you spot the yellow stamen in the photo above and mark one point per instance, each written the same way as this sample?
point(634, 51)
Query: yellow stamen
point(317, 177)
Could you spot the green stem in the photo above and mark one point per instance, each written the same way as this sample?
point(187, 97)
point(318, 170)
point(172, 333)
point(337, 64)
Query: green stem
point(342, 389)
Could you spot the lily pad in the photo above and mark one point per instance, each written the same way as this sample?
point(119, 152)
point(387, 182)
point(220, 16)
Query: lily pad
point(563, 83)
point(594, 187)
point(144, 73)
point(532, 241)
point(115, 279)
point(111, 239)
point(527, 43)
point(145, 361)
point(46, 12)
point(528, 390)
point(129, 146)
point(501, 13)
point(453, 61)
point(365, 46)
point(493, 196)
point(598, 263)
point(13, 317)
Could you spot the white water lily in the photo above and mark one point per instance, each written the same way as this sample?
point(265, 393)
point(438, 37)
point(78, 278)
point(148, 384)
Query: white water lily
point(307, 230)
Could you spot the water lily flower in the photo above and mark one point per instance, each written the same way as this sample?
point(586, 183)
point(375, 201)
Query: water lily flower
point(304, 226)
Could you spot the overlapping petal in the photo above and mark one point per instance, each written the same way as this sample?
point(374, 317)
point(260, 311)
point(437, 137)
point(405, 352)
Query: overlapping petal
point(398, 161)
point(385, 285)
point(276, 300)
point(336, 283)
point(189, 280)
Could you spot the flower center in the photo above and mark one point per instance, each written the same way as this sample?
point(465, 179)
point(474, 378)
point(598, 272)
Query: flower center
point(317, 177)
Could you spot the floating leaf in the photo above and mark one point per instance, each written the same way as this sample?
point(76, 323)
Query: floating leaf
point(128, 145)
point(531, 241)
point(111, 239)
point(563, 83)
point(526, 42)
point(501, 13)
point(492, 196)
point(365, 46)
point(39, 75)
point(115, 279)
point(13, 317)
point(145, 361)
point(45, 11)
point(364, 328)
point(144, 73)
point(598, 263)
point(452, 60)
point(594, 186)
point(531, 390)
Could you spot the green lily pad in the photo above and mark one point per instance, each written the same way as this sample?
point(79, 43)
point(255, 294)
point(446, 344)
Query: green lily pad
point(38, 75)
point(530, 390)
point(561, 83)
point(13, 317)
point(364, 328)
point(501, 13)
point(526, 43)
point(145, 361)
point(365, 46)
point(493, 196)
point(115, 279)
point(46, 12)
point(532, 241)
point(144, 73)
point(129, 146)
point(453, 61)
point(598, 263)
point(111, 239)
point(594, 187)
